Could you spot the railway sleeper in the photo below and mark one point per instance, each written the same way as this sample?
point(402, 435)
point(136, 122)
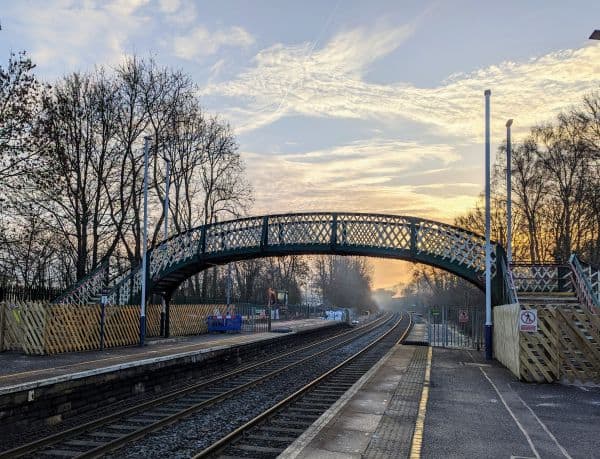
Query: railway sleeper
point(287, 423)
point(103, 434)
point(269, 438)
point(257, 449)
point(125, 427)
point(62, 453)
point(84, 443)
point(295, 416)
point(284, 429)
point(305, 410)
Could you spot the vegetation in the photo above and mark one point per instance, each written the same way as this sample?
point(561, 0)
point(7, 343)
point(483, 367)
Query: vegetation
point(71, 165)
point(556, 202)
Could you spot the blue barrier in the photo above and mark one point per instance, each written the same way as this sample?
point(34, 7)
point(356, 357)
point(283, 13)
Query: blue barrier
point(224, 324)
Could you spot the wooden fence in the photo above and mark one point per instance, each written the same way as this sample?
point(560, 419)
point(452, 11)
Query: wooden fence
point(42, 328)
point(566, 345)
point(506, 336)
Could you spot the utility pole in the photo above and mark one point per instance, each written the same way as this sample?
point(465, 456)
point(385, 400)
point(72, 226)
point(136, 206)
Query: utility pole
point(144, 246)
point(163, 312)
point(508, 195)
point(488, 247)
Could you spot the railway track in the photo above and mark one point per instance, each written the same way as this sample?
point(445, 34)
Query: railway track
point(271, 432)
point(108, 433)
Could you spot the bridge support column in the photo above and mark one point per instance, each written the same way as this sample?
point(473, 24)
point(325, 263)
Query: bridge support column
point(163, 315)
point(167, 303)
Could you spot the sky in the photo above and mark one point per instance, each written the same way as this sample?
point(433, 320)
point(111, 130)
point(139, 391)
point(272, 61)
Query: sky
point(342, 105)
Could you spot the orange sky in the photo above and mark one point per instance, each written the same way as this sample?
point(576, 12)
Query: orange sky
point(389, 273)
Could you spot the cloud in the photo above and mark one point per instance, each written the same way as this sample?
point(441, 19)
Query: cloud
point(358, 176)
point(169, 6)
point(201, 42)
point(287, 80)
point(67, 34)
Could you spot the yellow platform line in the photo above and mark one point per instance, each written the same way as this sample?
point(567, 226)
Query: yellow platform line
point(417, 440)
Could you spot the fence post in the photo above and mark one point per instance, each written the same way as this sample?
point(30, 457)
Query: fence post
point(429, 327)
point(102, 320)
point(2, 324)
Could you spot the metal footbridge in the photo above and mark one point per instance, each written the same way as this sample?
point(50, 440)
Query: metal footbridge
point(172, 261)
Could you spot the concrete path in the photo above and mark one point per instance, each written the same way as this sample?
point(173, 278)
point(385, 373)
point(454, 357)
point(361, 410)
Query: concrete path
point(464, 407)
point(478, 409)
point(375, 418)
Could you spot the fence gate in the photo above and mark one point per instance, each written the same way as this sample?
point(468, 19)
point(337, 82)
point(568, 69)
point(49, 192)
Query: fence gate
point(455, 327)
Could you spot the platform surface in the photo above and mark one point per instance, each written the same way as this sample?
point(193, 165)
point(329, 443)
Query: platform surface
point(474, 409)
point(418, 334)
point(17, 369)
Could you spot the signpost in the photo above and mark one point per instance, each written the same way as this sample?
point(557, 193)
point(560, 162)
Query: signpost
point(463, 316)
point(528, 321)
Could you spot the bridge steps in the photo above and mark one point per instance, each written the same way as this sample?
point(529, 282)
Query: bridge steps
point(578, 333)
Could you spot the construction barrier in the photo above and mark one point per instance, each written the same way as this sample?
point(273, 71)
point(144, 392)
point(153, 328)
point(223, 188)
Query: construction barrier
point(565, 346)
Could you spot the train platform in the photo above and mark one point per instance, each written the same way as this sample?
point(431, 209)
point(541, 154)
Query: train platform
point(418, 335)
point(23, 372)
point(432, 402)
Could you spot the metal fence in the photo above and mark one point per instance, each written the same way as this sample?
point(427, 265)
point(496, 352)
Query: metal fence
point(18, 293)
point(456, 327)
point(255, 318)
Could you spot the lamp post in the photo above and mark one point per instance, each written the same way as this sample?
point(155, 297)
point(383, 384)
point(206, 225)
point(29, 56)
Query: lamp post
point(166, 203)
point(488, 247)
point(508, 195)
point(163, 312)
point(144, 245)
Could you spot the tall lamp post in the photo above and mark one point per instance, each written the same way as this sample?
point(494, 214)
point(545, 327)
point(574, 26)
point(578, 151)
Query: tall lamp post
point(508, 195)
point(488, 247)
point(144, 245)
point(163, 312)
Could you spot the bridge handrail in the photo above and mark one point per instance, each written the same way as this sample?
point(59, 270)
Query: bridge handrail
point(328, 228)
point(309, 214)
point(94, 281)
point(541, 277)
point(509, 282)
point(583, 286)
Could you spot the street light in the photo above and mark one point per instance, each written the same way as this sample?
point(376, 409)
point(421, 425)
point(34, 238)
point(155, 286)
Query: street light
point(488, 247)
point(144, 245)
point(595, 35)
point(508, 195)
point(163, 312)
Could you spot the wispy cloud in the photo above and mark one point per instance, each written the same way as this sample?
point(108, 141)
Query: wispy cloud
point(299, 79)
point(201, 42)
point(68, 34)
point(330, 82)
point(357, 176)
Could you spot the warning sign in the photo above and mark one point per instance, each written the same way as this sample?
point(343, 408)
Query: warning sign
point(528, 321)
point(463, 316)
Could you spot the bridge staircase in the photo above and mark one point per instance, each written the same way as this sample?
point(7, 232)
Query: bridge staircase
point(567, 300)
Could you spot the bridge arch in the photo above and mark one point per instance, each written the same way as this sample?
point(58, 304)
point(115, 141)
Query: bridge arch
point(448, 247)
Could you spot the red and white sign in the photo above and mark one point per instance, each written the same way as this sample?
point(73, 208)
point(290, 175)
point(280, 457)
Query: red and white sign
point(528, 321)
point(463, 316)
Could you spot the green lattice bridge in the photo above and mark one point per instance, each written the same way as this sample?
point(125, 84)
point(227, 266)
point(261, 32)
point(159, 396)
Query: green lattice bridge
point(444, 246)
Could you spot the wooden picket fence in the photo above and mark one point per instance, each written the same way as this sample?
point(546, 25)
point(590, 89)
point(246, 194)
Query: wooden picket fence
point(42, 328)
point(566, 345)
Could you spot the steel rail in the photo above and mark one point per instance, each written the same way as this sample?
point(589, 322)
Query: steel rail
point(82, 429)
point(229, 438)
point(143, 431)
